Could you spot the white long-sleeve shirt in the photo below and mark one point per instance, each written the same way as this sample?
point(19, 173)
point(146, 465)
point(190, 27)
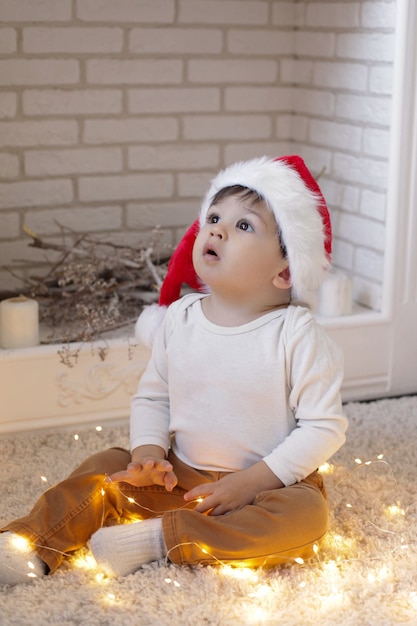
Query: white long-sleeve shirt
point(225, 398)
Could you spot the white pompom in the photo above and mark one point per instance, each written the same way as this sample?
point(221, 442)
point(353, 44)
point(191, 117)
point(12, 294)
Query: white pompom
point(148, 323)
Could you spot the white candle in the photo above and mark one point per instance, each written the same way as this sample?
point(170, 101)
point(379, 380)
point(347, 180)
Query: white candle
point(19, 322)
point(335, 295)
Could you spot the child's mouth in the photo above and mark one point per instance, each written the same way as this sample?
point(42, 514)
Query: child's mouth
point(210, 251)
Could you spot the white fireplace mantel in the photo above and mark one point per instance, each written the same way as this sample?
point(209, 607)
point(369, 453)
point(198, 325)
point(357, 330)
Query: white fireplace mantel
point(37, 390)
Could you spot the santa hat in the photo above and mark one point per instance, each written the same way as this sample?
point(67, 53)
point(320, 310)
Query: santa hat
point(300, 210)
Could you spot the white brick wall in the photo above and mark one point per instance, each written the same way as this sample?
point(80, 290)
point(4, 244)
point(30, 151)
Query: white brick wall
point(48, 102)
point(115, 115)
point(47, 163)
point(344, 73)
point(72, 40)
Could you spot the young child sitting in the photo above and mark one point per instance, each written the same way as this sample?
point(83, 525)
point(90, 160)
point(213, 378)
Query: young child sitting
point(238, 407)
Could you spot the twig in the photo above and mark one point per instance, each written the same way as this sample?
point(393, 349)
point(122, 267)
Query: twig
point(12, 273)
point(37, 242)
point(76, 338)
point(93, 287)
point(321, 173)
point(151, 267)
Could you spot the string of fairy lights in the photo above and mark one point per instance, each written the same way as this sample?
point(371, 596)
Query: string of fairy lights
point(344, 545)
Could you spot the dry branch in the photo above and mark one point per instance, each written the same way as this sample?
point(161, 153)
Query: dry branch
point(94, 286)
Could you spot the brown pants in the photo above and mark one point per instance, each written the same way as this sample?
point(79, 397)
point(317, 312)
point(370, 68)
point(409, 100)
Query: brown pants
point(280, 525)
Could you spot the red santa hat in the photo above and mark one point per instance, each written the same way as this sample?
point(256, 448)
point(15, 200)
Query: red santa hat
point(300, 210)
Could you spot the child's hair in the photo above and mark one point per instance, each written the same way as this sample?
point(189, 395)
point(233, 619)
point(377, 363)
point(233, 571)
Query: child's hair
point(253, 197)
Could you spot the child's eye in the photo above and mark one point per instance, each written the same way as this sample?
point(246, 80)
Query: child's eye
point(213, 218)
point(243, 225)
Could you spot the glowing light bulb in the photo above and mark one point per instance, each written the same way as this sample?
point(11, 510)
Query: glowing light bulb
point(174, 582)
point(86, 562)
point(299, 560)
point(395, 510)
point(76, 437)
point(131, 500)
point(44, 479)
point(326, 468)
point(99, 429)
point(20, 543)
point(358, 461)
point(240, 573)
point(259, 615)
point(110, 598)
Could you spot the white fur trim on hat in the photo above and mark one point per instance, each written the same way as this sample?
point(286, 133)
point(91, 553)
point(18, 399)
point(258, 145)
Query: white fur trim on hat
point(148, 323)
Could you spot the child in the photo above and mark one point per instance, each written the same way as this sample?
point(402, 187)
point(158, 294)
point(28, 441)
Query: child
point(238, 407)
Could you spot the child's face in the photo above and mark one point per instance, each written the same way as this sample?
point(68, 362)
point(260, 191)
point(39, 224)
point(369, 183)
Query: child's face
point(237, 251)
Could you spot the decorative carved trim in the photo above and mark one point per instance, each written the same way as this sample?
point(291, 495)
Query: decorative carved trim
point(100, 381)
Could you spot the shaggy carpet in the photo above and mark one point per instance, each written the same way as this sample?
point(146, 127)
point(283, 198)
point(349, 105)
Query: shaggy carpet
point(364, 574)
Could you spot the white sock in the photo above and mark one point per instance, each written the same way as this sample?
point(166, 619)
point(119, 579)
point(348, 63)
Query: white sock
point(19, 563)
point(121, 550)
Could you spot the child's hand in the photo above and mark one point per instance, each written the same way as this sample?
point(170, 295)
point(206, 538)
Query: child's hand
point(147, 471)
point(227, 494)
point(234, 490)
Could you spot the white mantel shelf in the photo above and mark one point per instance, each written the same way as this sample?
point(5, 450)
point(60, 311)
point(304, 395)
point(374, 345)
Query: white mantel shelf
point(38, 391)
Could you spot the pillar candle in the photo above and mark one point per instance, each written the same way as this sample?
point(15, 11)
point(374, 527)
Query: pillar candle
point(335, 295)
point(19, 322)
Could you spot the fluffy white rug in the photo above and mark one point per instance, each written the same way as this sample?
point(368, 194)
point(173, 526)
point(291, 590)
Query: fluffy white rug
point(365, 574)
